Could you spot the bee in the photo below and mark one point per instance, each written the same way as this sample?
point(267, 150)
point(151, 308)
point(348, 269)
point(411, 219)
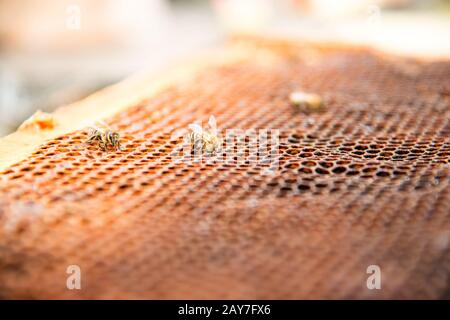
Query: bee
point(307, 102)
point(106, 138)
point(204, 140)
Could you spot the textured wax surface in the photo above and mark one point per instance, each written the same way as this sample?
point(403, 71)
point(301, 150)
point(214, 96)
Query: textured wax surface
point(364, 183)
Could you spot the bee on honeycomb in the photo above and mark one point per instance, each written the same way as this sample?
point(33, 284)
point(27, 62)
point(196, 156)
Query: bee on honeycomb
point(307, 102)
point(204, 140)
point(106, 138)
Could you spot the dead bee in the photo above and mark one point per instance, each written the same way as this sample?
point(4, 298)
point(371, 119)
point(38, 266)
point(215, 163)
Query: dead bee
point(105, 136)
point(203, 140)
point(307, 102)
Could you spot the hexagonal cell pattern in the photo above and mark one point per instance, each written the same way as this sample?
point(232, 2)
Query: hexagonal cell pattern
point(365, 182)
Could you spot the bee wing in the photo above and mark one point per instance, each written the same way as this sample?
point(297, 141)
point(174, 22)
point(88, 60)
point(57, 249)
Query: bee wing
point(213, 125)
point(91, 130)
point(96, 125)
point(195, 128)
point(102, 124)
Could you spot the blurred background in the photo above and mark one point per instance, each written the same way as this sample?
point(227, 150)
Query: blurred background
point(54, 52)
